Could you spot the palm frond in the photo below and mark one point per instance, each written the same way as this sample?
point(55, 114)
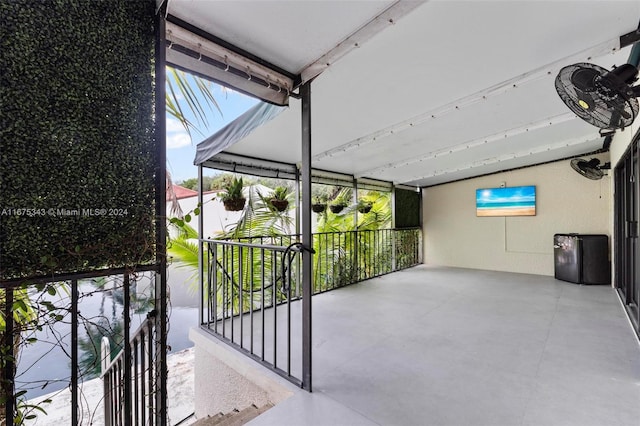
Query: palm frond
point(191, 93)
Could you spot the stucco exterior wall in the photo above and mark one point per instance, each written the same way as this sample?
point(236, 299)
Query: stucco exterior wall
point(566, 203)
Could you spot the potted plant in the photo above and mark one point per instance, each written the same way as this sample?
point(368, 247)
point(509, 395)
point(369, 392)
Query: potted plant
point(337, 206)
point(232, 197)
point(364, 206)
point(340, 200)
point(318, 204)
point(279, 200)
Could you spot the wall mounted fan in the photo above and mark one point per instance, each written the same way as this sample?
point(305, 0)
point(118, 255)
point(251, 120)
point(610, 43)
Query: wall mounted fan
point(590, 169)
point(603, 98)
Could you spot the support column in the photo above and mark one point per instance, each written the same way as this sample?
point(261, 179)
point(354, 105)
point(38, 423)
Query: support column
point(307, 241)
point(201, 265)
point(394, 235)
point(161, 225)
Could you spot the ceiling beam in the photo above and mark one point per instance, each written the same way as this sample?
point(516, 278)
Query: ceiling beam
point(388, 17)
point(481, 141)
point(608, 47)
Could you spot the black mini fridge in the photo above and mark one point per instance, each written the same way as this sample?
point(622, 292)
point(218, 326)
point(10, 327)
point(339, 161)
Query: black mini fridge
point(582, 259)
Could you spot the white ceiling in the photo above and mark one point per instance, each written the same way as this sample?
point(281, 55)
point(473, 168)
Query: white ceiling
point(451, 90)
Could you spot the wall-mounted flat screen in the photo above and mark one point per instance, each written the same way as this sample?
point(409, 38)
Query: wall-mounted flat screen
point(513, 201)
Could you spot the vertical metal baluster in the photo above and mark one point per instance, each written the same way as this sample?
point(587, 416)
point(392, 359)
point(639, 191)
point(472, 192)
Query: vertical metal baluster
point(390, 248)
point(118, 416)
point(152, 388)
point(326, 266)
point(126, 348)
point(114, 394)
point(298, 275)
point(240, 295)
point(232, 249)
point(330, 268)
point(8, 371)
point(143, 377)
point(251, 301)
point(224, 289)
point(371, 247)
point(274, 277)
point(136, 382)
point(214, 288)
point(372, 255)
point(288, 289)
point(74, 350)
point(206, 299)
point(262, 301)
point(274, 293)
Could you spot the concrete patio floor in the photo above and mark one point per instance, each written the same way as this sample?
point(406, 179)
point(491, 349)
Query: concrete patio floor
point(446, 346)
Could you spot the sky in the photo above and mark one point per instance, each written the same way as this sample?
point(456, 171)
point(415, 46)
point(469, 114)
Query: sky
point(181, 149)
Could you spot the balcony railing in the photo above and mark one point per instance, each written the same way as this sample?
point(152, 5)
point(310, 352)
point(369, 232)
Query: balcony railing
point(129, 379)
point(249, 285)
point(59, 327)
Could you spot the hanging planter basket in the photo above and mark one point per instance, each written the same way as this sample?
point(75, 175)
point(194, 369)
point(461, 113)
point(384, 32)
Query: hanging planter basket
point(318, 208)
point(234, 204)
point(364, 209)
point(280, 205)
point(336, 208)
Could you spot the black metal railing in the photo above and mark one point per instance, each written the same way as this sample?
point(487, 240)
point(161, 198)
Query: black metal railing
point(129, 379)
point(62, 325)
point(247, 300)
point(348, 257)
point(344, 258)
point(249, 285)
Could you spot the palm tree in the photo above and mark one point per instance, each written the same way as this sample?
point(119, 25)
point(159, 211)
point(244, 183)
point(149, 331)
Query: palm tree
point(191, 93)
point(186, 92)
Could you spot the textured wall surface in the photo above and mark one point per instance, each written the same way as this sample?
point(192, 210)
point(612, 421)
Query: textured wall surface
point(566, 203)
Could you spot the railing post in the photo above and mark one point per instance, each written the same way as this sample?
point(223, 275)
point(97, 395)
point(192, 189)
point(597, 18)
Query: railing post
point(127, 348)
point(161, 225)
point(307, 256)
point(74, 351)
point(105, 360)
point(394, 232)
point(8, 372)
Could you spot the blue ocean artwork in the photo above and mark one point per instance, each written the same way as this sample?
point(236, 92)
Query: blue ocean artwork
point(513, 201)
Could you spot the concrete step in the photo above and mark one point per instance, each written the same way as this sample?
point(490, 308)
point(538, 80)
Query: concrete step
point(234, 418)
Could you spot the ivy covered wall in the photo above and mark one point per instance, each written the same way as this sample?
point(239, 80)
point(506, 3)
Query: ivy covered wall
point(77, 151)
point(407, 208)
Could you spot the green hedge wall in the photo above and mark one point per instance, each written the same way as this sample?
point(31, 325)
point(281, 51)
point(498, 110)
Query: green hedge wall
point(407, 208)
point(77, 159)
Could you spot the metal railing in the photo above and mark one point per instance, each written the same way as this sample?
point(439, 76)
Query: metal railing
point(129, 379)
point(249, 285)
point(344, 258)
point(55, 303)
point(247, 300)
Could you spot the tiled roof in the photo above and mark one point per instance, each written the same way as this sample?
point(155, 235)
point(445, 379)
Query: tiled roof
point(182, 192)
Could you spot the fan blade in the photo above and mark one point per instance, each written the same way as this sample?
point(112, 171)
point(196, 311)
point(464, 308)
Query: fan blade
point(585, 100)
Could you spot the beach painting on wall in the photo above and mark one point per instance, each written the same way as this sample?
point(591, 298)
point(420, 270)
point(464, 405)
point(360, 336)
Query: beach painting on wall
point(513, 201)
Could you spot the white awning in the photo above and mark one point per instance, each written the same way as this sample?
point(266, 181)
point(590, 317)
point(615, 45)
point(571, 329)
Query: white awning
point(237, 130)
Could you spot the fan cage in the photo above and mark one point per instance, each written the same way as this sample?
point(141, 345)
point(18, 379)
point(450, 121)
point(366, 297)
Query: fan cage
point(609, 107)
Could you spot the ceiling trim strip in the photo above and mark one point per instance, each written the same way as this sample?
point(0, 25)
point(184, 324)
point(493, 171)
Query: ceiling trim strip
point(608, 47)
point(506, 157)
point(500, 136)
point(388, 17)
